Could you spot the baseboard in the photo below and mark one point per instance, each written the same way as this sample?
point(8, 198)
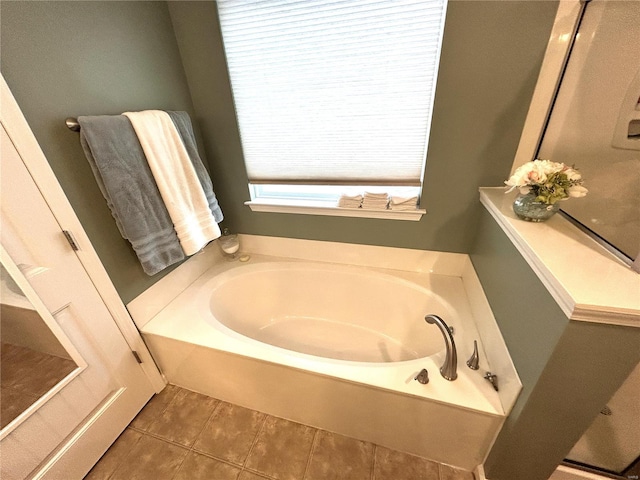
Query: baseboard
point(563, 472)
point(478, 473)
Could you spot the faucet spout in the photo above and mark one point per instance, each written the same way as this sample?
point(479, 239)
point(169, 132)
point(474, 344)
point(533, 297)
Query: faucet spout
point(450, 365)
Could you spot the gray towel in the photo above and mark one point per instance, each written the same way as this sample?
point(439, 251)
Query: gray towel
point(125, 180)
point(183, 125)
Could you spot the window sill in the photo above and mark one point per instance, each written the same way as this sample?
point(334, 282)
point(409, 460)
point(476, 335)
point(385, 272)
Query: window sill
point(309, 207)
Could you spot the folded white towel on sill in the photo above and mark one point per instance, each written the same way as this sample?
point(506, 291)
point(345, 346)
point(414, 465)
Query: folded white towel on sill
point(176, 178)
point(399, 208)
point(349, 201)
point(403, 203)
point(375, 201)
point(371, 195)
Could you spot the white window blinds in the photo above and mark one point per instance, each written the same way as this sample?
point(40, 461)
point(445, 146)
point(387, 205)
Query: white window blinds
point(333, 92)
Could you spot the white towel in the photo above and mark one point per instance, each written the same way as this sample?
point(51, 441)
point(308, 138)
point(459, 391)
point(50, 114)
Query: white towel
point(176, 178)
point(349, 201)
point(403, 203)
point(375, 201)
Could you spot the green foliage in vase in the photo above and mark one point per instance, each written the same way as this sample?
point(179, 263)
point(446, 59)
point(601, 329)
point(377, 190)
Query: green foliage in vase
point(549, 181)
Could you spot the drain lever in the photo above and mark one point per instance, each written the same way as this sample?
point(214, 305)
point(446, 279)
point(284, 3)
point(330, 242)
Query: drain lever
point(493, 379)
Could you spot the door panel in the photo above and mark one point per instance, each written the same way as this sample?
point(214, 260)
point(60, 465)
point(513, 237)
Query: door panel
point(62, 436)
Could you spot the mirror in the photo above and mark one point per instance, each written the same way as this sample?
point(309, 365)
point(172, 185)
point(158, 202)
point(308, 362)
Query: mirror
point(595, 124)
point(32, 359)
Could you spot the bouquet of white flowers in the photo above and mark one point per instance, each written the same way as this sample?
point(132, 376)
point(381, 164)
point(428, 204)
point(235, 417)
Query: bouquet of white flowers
point(549, 181)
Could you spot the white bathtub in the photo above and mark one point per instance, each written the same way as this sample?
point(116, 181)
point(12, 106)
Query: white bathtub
point(335, 346)
point(332, 311)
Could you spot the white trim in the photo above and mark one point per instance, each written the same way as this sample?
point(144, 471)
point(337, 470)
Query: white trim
point(564, 472)
point(555, 56)
point(324, 208)
point(36, 163)
point(150, 302)
point(478, 473)
point(587, 281)
point(89, 436)
point(376, 256)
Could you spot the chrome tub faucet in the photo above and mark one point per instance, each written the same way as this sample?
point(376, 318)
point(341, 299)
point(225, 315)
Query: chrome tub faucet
point(450, 365)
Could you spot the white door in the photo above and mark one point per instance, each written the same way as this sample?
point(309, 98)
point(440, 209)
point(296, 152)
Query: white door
point(66, 431)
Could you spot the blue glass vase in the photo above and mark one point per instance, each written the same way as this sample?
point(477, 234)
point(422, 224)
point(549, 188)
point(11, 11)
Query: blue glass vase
point(526, 208)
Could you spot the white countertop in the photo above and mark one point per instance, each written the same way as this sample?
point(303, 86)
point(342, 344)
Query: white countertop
point(588, 282)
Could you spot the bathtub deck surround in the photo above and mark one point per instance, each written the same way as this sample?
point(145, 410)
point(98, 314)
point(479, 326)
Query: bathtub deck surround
point(188, 436)
point(189, 332)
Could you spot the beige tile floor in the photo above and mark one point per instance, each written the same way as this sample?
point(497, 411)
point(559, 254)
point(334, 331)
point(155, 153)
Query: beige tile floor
point(182, 435)
point(26, 375)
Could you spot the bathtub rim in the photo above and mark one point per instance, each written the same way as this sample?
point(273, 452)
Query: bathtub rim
point(469, 391)
point(498, 360)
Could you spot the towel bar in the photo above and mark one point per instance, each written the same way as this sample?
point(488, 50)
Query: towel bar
point(72, 124)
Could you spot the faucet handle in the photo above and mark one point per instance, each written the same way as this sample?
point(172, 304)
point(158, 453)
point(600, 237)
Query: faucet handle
point(472, 363)
point(493, 379)
point(423, 376)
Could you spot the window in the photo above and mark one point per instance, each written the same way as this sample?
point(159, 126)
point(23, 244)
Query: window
point(332, 93)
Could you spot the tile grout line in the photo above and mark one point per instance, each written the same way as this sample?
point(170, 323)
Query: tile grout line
point(258, 474)
point(218, 459)
point(171, 400)
point(156, 437)
point(206, 422)
point(199, 452)
point(161, 438)
point(242, 465)
point(373, 469)
point(181, 464)
point(121, 462)
point(190, 448)
point(178, 444)
point(314, 443)
point(253, 444)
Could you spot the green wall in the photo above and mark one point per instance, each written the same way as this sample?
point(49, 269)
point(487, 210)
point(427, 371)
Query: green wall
point(63, 59)
point(490, 61)
point(569, 370)
point(100, 57)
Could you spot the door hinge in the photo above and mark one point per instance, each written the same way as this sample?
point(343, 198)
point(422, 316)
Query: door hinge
point(71, 239)
point(137, 357)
